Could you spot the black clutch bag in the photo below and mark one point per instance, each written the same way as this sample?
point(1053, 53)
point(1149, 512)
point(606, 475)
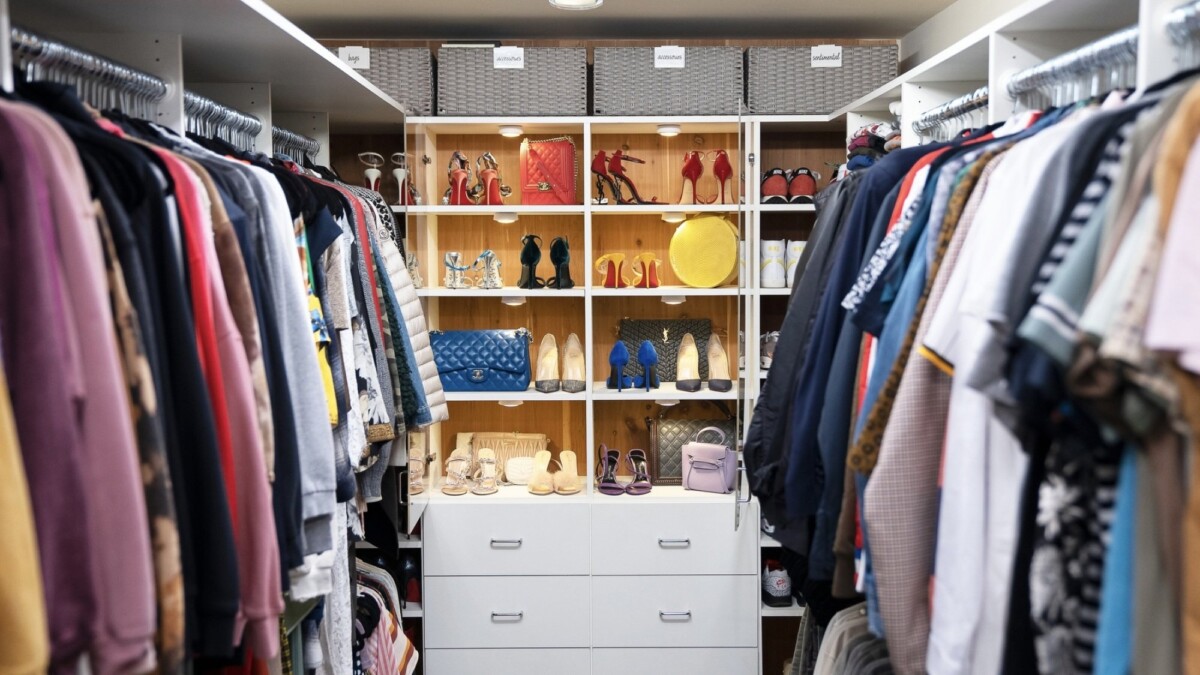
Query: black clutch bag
point(665, 334)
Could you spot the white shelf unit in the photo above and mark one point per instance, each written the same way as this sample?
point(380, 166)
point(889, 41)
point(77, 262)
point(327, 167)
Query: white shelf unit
point(792, 611)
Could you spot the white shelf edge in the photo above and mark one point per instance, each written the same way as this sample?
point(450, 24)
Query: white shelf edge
point(653, 209)
point(785, 208)
point(480, 210)
point(666, 392)
point(772, 291)
point(412, 610)
point(776, 612)
point(441, 292)
point(529, 395)
point(767, 541)
point(664, 291)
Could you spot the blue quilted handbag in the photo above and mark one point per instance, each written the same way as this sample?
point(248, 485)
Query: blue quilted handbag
point(482, 360)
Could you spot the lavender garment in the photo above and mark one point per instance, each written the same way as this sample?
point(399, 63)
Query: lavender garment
point(123, 639)
point(46, 385)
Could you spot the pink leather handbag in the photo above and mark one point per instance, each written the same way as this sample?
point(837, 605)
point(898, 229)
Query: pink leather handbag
point(709, 467)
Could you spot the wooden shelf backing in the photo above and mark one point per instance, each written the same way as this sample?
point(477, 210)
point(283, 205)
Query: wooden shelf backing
point(565, 423)
point(621, 425)
point(661, 175)
point(631, 235)
point(343, 156)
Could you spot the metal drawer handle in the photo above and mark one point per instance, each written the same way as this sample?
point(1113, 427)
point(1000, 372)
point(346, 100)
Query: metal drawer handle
point(496, 616)
point(506, 543)
point(675, 615)
point(684, 543)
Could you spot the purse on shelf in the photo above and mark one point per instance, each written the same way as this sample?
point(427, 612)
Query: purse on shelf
point(665, 335)
point(548, 170)
point(511, 448)
point(518, 470)
point(482, 360)
point(668, 436)
point(709, 467)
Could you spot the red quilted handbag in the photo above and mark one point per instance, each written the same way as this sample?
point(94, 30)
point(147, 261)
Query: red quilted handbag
point(548, 171)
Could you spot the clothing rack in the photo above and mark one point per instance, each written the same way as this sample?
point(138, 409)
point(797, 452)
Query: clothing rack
point(1183, 23)
point(292, 143)
point(100, 81)
point(1072, 73)
point(953, 109)
point(208, 118)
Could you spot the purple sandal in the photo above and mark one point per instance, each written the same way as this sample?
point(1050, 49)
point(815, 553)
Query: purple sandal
point(641, 479)
point(609, 459)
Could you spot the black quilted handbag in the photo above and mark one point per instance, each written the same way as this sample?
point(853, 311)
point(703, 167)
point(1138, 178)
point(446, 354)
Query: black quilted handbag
point(667, 437)
point(665, 334)
point(482, 360)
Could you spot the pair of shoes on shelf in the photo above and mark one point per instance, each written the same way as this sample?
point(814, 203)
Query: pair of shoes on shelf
point(607, 482)
point(645, 270)
point(618, 358)
point(573, 378)
point(797, 186)
point(560, 258)
point(687, 366)
point(486, 267)
point(610, 172)
point(416, 469)
point(693, 169)
point(489, 190)
point(565, 481)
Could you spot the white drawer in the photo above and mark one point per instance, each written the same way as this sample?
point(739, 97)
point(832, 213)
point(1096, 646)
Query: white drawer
point(505, 661)
point(674, 538)
point(478, 539)
point(683, 611)
point(676, 661)
point(506, 612)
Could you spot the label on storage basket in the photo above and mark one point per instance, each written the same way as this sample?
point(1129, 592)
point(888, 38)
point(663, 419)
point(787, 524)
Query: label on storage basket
point(669, 57)
point(826, 56)
point(508, 57)
point(358, 58)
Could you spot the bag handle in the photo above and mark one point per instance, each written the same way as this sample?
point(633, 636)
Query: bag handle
point(712, 429)
point(558, 190)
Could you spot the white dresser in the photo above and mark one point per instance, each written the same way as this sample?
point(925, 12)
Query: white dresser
point(659, 584)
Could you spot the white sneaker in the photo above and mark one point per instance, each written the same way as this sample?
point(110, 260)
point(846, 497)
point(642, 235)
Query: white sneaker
point(773, 269)
point(776, 585)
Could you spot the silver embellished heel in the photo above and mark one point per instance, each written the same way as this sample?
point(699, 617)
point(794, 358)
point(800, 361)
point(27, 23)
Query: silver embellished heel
point(490, 265)
point(455, 270)
point(414, 272)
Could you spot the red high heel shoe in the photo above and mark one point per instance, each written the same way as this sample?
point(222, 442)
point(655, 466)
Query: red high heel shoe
point(459, 172)
point(600, 169)
point(618, 175)
point(645, 270)
point(609, 265)
point(723, 170)
point(693, 169)
point(490, 190)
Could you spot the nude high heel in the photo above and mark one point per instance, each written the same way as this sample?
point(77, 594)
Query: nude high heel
point(687, 365)
point(541, 482)
point(574, 374)
point(566, 479)
point(486, 485)
point(547, 366)
point(457, 467)
point(718, 365)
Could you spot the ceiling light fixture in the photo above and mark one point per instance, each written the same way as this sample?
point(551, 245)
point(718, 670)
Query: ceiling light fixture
point(669, 130)
point(513, 300)
point(667, 402)
point(511, 404)
point(673, 299)
point(505, 217)
point(576, 4)
point(676, 217)
point(511, 130)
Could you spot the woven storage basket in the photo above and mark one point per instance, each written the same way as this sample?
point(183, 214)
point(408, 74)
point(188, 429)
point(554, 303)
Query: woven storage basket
point(404, 74)
point(553, 82)
point(781, 81)
point(625, 82)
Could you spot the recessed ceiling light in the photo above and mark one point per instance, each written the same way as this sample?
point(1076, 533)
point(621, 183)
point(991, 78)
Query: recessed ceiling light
point(511, 404)
point(674, 217)
point(673, 299)
point(576, 4)
point(505, 217)
point(668, 130)
point(667, 402)
point(513, 300)
point(511, 130)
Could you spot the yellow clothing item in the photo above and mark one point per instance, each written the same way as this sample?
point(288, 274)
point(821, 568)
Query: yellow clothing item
point(25, 646)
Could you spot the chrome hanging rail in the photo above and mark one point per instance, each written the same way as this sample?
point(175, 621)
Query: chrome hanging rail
point(1118, 49)
point(1183, 23)
point(292, 143)
point(206, 117)
point(100, 81)
point(955, 108)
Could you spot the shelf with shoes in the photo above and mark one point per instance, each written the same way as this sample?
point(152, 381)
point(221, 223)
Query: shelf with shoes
point(793, 610)
point(530, 394)
point(690, 171)
point(667, 392)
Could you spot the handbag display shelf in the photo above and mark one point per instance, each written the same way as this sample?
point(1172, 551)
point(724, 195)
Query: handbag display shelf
point(670, 430)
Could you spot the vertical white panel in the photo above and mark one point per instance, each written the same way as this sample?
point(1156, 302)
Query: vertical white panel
point(1011, 53)
point(1157, 57)
point(6, 79)
point(158, 54)
point(315, 125)
point(252, 98)
point(917, 99)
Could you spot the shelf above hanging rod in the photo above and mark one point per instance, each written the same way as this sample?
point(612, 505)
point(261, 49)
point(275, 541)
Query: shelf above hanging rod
point(931, 119)
point(1120, 48)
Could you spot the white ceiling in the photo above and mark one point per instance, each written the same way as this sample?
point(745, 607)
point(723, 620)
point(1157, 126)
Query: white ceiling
point(634, 19)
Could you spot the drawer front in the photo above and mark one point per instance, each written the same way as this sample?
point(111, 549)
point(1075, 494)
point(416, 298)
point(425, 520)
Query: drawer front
point(674, 538)
point(481, 539)
point(506, 612)
point(676, 661)
point(506, 661)
point(684, 611)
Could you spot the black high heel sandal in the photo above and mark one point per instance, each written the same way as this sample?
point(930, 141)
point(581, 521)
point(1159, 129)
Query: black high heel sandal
point(560, 257)
point(622, 182)
point(531, 255)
